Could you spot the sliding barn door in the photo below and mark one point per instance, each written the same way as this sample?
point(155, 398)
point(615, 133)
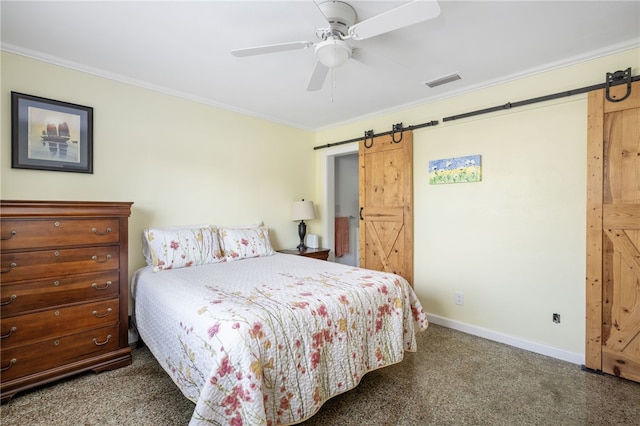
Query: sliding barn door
point(386, 204)
point(613, 234)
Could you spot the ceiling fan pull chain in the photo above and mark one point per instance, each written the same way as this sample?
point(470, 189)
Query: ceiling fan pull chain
point(333, 81)
point(396, 128)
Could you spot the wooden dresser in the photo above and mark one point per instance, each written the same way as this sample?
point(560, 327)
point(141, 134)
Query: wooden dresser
point(64, 285)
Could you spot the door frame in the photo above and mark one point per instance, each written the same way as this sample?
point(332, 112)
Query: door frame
point(329, 193)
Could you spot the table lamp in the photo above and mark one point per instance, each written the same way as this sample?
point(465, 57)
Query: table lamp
point(303, 210)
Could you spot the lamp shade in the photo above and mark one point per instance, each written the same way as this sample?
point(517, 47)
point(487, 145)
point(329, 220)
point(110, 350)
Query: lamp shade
point(303, 210)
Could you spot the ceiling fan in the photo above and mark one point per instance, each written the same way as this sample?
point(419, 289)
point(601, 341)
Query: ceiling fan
point(332, 49)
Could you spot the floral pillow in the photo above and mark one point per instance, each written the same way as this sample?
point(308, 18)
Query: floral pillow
point(179, 247)
point(240, 243)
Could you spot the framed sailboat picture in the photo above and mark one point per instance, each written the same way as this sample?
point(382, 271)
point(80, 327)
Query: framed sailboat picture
point(50, 135)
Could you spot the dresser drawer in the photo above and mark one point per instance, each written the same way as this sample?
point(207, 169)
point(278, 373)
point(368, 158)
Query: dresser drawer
point(54, 263)
point(20, 234)
point(55, 323)
point(24, 360)
point(42, 294)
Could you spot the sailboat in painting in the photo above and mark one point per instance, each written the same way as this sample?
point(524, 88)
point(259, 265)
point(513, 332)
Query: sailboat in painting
point(57, 137)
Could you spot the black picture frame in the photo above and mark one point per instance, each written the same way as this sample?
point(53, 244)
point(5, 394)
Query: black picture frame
point(50, 135)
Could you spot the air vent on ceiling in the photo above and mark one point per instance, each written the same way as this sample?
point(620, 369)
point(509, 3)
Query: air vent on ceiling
point(443, 80)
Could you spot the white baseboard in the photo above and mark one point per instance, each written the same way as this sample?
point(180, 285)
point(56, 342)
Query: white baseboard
point(506, 339)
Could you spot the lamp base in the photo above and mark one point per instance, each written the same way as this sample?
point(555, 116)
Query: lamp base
point(302, 231)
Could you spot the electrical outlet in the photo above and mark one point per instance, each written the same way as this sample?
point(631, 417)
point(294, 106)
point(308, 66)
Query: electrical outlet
point(459, 298)
point(556, 318)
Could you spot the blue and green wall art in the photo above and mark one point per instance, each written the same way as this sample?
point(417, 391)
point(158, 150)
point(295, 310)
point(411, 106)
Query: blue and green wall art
point(455, 170)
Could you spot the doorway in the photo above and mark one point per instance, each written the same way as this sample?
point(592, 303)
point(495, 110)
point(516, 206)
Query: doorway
point(328, 209)
point(346, 224)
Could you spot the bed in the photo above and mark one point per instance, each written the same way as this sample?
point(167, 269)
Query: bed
point(255, 337)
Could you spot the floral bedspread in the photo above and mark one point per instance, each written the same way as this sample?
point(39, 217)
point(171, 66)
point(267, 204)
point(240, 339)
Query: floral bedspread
point(268, 340)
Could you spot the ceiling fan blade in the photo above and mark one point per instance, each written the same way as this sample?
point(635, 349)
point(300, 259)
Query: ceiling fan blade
point(314, 16)
point(271, 48)
point(318, 77)
point(400, 17)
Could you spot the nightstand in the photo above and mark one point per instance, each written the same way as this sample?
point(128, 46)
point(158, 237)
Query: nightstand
point(319, 253)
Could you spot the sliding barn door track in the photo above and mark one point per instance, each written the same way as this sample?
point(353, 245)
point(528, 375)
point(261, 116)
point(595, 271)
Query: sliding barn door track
point(612, 79)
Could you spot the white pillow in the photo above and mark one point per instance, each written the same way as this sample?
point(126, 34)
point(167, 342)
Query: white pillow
point(244, 242)
point(181, 246)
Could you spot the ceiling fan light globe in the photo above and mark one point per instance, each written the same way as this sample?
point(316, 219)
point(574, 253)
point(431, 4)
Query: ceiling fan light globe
point(333, 52)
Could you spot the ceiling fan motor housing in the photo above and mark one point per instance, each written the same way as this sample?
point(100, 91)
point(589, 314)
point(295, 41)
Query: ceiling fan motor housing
point(340, 16)
point(333, 51)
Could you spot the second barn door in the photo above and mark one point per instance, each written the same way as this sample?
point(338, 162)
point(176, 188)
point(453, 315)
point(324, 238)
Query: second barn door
point(613, 233)
point(386, 203)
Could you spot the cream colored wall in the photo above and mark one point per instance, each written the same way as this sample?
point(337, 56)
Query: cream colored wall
point(514, 243)
point(180, 162)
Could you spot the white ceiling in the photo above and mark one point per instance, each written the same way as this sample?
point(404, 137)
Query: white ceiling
point(183, 48)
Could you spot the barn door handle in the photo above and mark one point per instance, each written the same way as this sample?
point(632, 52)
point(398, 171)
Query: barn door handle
point(361, 208)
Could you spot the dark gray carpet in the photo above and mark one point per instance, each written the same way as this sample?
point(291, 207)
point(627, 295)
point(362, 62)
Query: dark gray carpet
point(453, 379)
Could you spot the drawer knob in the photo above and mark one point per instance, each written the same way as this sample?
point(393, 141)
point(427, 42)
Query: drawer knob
point(56, 343)
point(13, 361)
point(106, 232)
point(11, 331)
point(11, 266)
point(11, 235)
point(56, 224)
point(104, 287)
point(56, 283)
point(106, 259)
point(101, 343)
point(97, 315)
point(11, 299)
